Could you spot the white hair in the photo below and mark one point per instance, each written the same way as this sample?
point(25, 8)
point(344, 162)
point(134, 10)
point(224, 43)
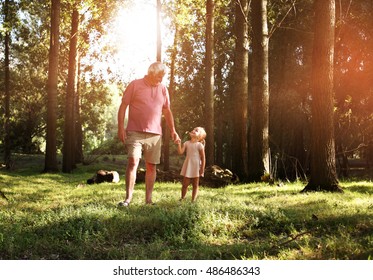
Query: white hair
point(157, 68)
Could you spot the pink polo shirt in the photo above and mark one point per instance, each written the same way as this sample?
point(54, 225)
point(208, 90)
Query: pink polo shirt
point(145, 106)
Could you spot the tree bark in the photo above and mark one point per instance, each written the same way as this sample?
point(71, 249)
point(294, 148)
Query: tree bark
point(78, 154)
point(209, 83)
point(165, 155)
point(51, 142)
point(159, 33)
point(7, 147)
point(259, 109)
point(68, 162)
point(323, 168)
point(166, 163)
point(240, 110)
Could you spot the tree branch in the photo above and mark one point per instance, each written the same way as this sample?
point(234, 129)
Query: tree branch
point(275, 26)
point(293, 238)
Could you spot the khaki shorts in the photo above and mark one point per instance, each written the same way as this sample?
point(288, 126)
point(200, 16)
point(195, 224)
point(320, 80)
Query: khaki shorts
point(149, 144)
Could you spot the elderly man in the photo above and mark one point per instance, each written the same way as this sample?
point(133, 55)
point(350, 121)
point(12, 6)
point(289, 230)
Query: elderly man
point(146, 99)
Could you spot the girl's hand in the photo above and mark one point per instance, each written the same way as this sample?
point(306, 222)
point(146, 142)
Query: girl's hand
point(201, 172)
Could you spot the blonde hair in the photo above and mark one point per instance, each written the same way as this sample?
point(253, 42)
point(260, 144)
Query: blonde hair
point(203, 135)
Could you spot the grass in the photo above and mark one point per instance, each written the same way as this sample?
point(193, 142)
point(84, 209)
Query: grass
point(56, 216)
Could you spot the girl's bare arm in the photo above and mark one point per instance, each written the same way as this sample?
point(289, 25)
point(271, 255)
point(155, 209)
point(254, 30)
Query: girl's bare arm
point(203, 161)
point(180, 148)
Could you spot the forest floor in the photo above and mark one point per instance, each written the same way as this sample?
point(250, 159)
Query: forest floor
point(58, 216)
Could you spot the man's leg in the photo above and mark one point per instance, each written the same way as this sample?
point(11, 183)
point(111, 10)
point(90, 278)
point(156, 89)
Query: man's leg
point(152, 155)
point(150, 176)
point(131, 170)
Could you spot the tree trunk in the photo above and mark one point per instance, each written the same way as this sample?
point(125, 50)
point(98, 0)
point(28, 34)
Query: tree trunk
point(68, 163)
point(7, 147)
point(209, 83)
point(323, 169)
point(240, 88)
point(165, 155)
point(259, 116)
point(159, 34)
point(220, 119)
point(166, 164)
point(79, 158)
point(51, 142)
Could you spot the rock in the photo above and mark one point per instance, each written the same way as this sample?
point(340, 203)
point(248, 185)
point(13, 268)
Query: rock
point(215, 176)
point(104, 176)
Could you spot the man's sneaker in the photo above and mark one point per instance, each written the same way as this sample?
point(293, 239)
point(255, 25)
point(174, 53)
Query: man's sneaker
point(123, 204)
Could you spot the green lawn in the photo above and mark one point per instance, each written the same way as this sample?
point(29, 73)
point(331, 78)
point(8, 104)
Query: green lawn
point(56, 216)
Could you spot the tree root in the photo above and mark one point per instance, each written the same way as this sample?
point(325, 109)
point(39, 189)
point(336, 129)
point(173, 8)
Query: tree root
point(322, 188)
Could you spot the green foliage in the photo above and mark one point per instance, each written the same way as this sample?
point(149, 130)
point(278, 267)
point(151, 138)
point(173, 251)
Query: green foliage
point(30, 22)
point(109, 147)
point(187, 99)
point(57, 216)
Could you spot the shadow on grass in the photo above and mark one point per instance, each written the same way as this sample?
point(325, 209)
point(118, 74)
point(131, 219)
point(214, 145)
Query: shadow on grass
point(177, 231)
point(242, 223)
point(146, 232)
point(360, 188)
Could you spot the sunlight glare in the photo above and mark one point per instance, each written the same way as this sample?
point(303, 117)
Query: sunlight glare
point(135, 36)
point(131, 38)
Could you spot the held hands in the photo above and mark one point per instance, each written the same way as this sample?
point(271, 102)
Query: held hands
point(176, 138)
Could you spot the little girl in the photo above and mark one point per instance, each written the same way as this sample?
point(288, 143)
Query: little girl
point(195, 160)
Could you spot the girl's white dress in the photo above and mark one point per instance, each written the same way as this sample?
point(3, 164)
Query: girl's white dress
point(192, 162)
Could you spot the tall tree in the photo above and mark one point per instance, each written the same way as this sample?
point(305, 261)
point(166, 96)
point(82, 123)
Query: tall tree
point(323, 169)
point(223, 61)
point(7, 149)
point(173, 52)
point(51, 142)
point(159, 34)
point(209, 83)
point(290, 69)
point(78, 154)
point(240, 90)
point(259, 114)
point(166, 137)
point(68, 162)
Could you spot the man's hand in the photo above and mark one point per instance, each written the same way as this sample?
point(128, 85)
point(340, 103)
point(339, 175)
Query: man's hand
point(175, 137)
point(122, 135)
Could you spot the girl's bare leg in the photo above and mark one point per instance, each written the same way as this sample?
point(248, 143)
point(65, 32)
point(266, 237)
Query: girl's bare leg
point(184, 188)
point(195, 188)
